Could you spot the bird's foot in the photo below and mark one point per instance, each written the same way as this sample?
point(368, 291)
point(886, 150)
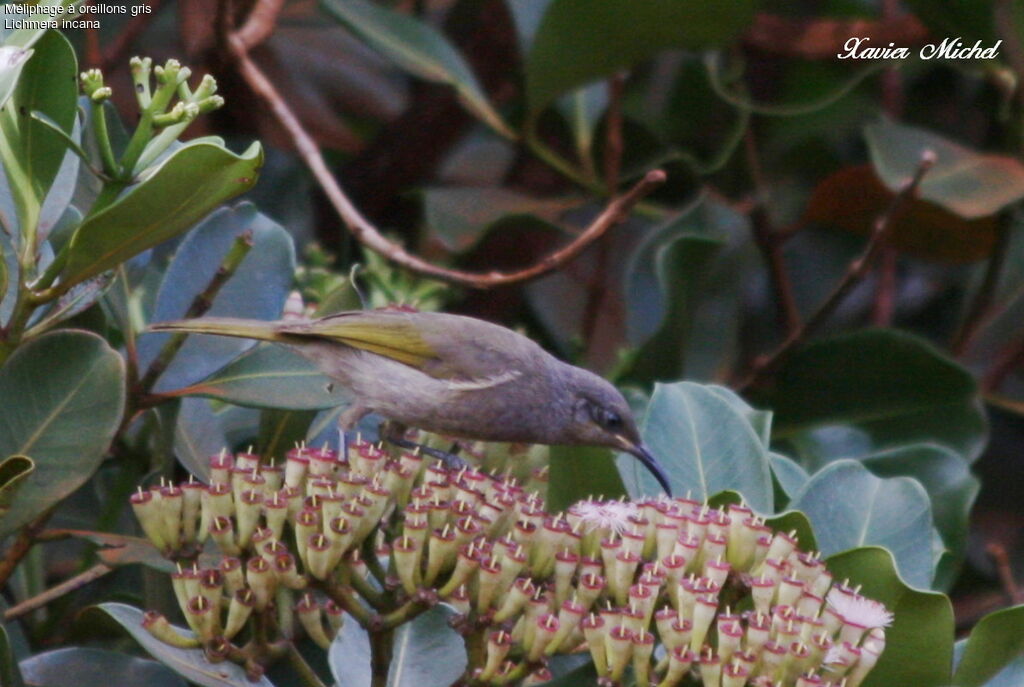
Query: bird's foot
point(449, 458)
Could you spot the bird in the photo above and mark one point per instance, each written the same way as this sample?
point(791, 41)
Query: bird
point(450, 374)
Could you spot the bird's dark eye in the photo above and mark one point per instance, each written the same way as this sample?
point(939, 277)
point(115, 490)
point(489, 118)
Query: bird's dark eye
point(609, 419)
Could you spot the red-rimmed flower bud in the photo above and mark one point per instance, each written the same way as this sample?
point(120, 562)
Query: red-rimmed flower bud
point(156, 624)
point(643, 647)
point(261, 580)
point(220, 467)
point(515, 600)
point(318, 556)
point(619, 648)
point(674, 631)
point(620, 577)
point(247, 461)
point(498, 645)
point(335, 616)
point(759, 630)
point(191, 507)
point(665, 536)
point(512, 560)
point(565, 568)
point(773, 660)
point(311, 616)
point(595, 631)
point(717, 570)
point(687, 547)
point(203, 617)
point(216, 502)
point(788, 591)
point(459, 600)
point(307, 524)
point(296, 465)
point(407, 558)
point(703, 613)
point(488, 579)
point(782, 545)
point(710, 668)
point(734, 675)
point(679, 661)
point(589, 588)
point(222, 531)
point(231, 572)
point(287, 574)
point(211, 586)
point(273, 476)
point(545, 628)
point(730, 634)
point(570, 614)
point(441, 553)
point(150, 516)
point(247, 513)
point(322, 463)
point(810, 680)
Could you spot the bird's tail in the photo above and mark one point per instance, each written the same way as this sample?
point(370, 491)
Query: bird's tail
point(224, 326)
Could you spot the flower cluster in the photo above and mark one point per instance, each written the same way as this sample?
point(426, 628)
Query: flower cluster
point(649, 585)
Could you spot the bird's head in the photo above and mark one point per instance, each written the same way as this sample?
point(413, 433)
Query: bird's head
point(601, 417)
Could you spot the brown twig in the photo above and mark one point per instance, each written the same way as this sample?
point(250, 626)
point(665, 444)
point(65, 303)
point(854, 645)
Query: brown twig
point(21, 546)
point(856, 272)
point(1005, 571)
point(370, 237)
point(259, 25)
point(823, 39)
point(67, 586)
point(981, 305)
point(769, 240)
point(1007, 360)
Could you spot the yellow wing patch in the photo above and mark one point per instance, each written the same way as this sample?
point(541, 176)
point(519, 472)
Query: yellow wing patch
point(390, 337)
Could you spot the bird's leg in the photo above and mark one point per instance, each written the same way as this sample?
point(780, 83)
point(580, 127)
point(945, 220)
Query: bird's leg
point(347, 421)
point(449, 459)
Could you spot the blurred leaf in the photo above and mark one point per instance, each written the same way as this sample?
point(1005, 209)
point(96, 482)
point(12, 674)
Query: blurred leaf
point(182, 190)
point(280, 430)
point(582, 110)
point(582, 472)
point(796, 522)
point(996, 640)
point(191, 664)
point(79, 299)
point(120, 549)
point(919, 645)
point(25, 37)
point(950, 485)
point(12, 60)
point(63, 395)
point(270, 376)
point(853, 198)
point(973, 21)
point(14, 470)
point(10, 675)
point(889, 386)
point(257, 290)
point(197, 436)
point(682, 293)
point(96, 668)
point(704, 444)
point(526, 15)
point(418, 48)
point(849, 508)
point(760, 420)
point(427, 652)
point(577, 43)
point(968, 183)
point(459, 217)
point(790, 474)
point(9, 295)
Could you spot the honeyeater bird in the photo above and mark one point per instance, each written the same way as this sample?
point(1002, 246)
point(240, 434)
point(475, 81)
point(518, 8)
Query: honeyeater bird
point(453, 375)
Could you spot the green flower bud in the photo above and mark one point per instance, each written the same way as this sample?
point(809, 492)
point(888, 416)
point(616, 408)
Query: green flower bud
point(318, 557)
point(406, 555)
point(570, 614)
point(465, 565)
point(703, 613)
point(618, 646)
point(231, 572)
point(441, 553)
point(545, 628)
point(734, 675)
point(222, 530)
point(643, 647)
point(156, 624)
point(710, 669)
point(149, 513)
point(91, 80)
point(191, 506)
point(594, 631)
point(515, 600)
point(498, 645)
point(206, 88)
point(247, 513)
point(311, 616)
point(335, 616)
point(171, 503)
point(239, 611)
point(260, 577)
point(679, 661)
point(203, 617)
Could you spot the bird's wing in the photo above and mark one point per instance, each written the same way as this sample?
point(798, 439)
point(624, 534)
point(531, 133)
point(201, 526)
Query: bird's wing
point(373, 331)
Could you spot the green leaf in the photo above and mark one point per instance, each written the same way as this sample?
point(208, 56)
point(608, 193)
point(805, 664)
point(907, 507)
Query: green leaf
point(280, 430)
point(962, 180)
point(790, 474)
point(887, 387)
point(27, 37)
point(12, 60)
point(919, 645)
point(96, 668)
point(63, 395)
point(705, 445)
point(582, 472)
point(950, 485)
point(426, 652)
point(849, 508)
point(189, 184)
point(198, 434)
point(996, 640)
point(796, 522)
point(579, 42)
point(269, 376)
point(32, 153)
point(10, 675)
point(191, 664)
point(13, 473)
point(458, 217)
point(419, 49)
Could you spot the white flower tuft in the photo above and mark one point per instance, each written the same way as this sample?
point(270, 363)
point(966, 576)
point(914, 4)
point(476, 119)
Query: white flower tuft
point(605, 515)
point(858, 610)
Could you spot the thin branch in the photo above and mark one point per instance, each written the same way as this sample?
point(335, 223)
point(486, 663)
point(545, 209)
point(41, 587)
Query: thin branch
point(1002, 562)
point(823, 39)
point(67, 586)
point(981, 305)
point(369, 236)
point(885, 292)
point(769, 241)
point(856, 272)
point(21, 546)
point(1007, 360)
point(200, 304)
point(305, 671)
point(259, 25)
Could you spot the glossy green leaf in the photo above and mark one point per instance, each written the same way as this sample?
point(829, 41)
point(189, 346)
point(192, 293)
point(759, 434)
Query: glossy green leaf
point(681, 289)
point(12, 60)
point(191, 664)
point(962, 180)
point(96, 668)
point(197, 436)
point(269, 376)
point(13, 473)
point(789, 473)
point(26, 37)
point(189, 184)
point(458, 217)
point(579, 42)
point(280, 430)
point(418, 48)
point(796, 522)
point(760, 420)
point(919, 644)
point(705, 445)
point(426, 652)
point(583, 472)
point(890, 388)
point(996, 640)
point(950, 485)
point(10, 675)
point(63, 395)
point(849, 508)
point(257, 290)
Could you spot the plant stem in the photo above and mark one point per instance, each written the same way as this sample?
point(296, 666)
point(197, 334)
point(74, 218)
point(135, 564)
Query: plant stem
point(71, 584)
point(856, 271)
point(200, 304)
point(305, 671)
point(380, 656)
point(981, 305)
point(21, 546)
point(99, 130)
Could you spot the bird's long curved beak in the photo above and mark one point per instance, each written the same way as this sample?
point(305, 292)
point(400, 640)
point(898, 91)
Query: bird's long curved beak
point(644, 456)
